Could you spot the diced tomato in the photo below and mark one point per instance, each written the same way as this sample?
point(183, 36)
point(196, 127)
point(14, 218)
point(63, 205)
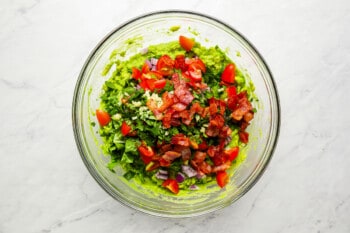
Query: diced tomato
point(136, 73)
point(172, 185)
point(145, 69)
point(231, 91)
point(165, 65)
point(243, 136)
point(125, 128)
point(186, 43)
point(155, 74)
point(203, 145)
point(222, 178)
point(160, 84)
point(197, 62)
point(229, 73)
point(102, 117)
point(180, 63)
point(232, 153)
point(146, 159)
point(143, 84)
point(195, 72)
point(146, 150)
point(151, 83)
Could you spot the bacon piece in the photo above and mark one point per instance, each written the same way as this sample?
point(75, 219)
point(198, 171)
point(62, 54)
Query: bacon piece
point(179, 107)
point(152, 105)
point(171, 155)
point(167, 118)
point(205, 167)
point(184, 150)
point(215, 124)
point(212, 130)
point(199, 157)
point(187, 98)
point(213, 150)
point(243, 136)
point(225, 132)
point(168, 100)
point(180, 139)
point(164, 148)
point(175, 122)
point(222, 167)
point(248, 116)
point(186, 117)
point(242, 108)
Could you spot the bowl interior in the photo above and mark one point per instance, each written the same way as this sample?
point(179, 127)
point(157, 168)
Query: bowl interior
point(154, 29)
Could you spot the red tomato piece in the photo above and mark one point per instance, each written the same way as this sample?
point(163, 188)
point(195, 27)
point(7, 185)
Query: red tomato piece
point(146, 151)
point(136, 73)
point(186, 43)
point(232, 153)
point(195, 72)
point(160, 84)
point(145, 69)
point(125, 129)
point(197, 62)
point(231, 91)
point(180, 63)
point(165, 65)
point(222, 178)
point(143, 84)
point(102, 117)
point(203, 145)
point(146, 159)
point(172, 185)
point(151, 83)
point(229, 73)
point(155, 74)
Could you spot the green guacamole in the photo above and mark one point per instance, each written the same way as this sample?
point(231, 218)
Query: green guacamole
point(155, 143)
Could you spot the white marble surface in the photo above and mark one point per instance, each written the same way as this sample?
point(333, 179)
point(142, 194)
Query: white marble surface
point(44, 186)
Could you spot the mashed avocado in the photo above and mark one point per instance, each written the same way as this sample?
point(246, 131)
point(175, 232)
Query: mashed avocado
point(170, 117)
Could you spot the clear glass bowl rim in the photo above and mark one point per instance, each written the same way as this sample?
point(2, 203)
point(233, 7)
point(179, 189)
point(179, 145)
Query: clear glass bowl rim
point(75, 120)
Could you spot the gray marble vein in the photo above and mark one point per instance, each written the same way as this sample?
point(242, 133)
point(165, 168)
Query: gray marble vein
point(45, 187)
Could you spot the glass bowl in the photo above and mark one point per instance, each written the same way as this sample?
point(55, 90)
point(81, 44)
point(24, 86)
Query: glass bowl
point(153, 29)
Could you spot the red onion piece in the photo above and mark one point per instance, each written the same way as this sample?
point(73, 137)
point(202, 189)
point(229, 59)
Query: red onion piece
point(154, 61)
point(193, 187)
point(161, 176)
point(148, 63)
point(200, 176)
point(189, 171)
point(163, 172)
point(180, 177)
